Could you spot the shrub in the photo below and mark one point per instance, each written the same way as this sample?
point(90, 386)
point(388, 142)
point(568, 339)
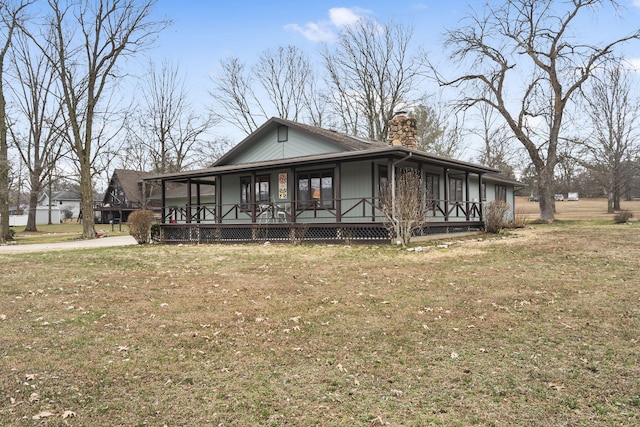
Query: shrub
point(404, 207)
point(140, 225)
point(494, 216)
point(155, 232)
point(622, 217)
point(67, 213)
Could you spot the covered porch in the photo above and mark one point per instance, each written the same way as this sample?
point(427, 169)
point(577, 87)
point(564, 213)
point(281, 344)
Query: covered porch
point(208, 214)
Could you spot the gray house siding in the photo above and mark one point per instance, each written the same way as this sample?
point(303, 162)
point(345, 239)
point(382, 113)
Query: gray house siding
point(298, 144)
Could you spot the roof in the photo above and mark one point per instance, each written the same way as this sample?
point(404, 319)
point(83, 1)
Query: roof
point(129, 181)
point(371, 153)
point(352, 148)
point(496, 177)
point(66, 195)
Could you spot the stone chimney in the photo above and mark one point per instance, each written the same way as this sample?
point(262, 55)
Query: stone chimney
point(402, 130)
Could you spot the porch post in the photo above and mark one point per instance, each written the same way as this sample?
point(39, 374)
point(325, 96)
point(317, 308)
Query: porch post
point(466, 194)
point(163, 201)
point(252, 197)
point(338, 192)
point(294, 195)
point(188, 200)
point(218, 190)
point(391, 180)
point(198, 202)
point(446, 194)
point(480, 196)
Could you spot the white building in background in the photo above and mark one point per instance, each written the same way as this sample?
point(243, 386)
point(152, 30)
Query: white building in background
point(62, 200)
point(42, 217)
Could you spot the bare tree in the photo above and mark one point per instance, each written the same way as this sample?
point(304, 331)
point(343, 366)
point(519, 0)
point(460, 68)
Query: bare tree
point(429, 126)
point(86, 65)
point(166, 131)
point(12, 16)
point(615, 140)
point(440, 130)
point(405, 208)
point(284, 75)
point(34, 93)
point(497, 150)
point(233, 95)
point(371, 73)
point(528, 44)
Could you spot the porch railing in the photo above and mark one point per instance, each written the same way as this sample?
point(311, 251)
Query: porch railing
point(352, 210)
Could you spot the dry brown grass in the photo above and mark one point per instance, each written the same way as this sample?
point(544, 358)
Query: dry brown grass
point(592, 209)
point(537, 327)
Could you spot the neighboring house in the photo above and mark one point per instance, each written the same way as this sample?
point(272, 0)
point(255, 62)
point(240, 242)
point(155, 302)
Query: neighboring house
point(63, 200)
point(123, 196)
point(290, 181)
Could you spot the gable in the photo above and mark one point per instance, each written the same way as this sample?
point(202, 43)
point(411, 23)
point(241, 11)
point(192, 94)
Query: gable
point(264, 146)
point(280, 139)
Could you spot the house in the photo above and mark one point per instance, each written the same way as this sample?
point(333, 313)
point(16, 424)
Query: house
point(290, 181)
point(124, 195)
point(67, 200)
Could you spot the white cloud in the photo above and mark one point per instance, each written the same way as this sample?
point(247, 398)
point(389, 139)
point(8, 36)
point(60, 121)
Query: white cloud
point(315, 32)
point(344, 17)
point(326, 31)
point(636, 3)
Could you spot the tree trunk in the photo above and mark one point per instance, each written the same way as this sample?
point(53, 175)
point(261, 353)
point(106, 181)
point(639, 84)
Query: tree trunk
point(33, 202)
point(4, 168)
point(547, 202)
point(610, 202)
point(86, 201)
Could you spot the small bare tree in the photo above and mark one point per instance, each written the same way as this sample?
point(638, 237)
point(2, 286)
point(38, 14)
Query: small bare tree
point(12, 16)
point(615, 139)
point(404, 206)
point(41, 146)
point(497, 141)
point(166, 132)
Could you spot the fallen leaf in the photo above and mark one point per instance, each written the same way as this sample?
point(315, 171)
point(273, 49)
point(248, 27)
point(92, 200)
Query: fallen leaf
point(556, 386)
point(34, 397)
point(43, 414)
point(69, 414)
point(454, 355)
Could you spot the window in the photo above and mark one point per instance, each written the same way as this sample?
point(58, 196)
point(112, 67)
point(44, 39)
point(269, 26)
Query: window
point(501, 192)
point(484, 191)
point(455, 189)
point(433, 187)
point(262, 191)
point(283, 133)
point(315, 190)
point(383, 183)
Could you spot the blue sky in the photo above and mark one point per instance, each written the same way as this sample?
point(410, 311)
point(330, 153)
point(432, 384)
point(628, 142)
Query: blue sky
point(206, 31)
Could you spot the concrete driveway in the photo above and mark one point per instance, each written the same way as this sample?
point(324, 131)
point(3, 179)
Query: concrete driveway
point(77, 244)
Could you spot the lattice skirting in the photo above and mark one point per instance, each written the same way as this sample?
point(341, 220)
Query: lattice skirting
point(348, 233)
